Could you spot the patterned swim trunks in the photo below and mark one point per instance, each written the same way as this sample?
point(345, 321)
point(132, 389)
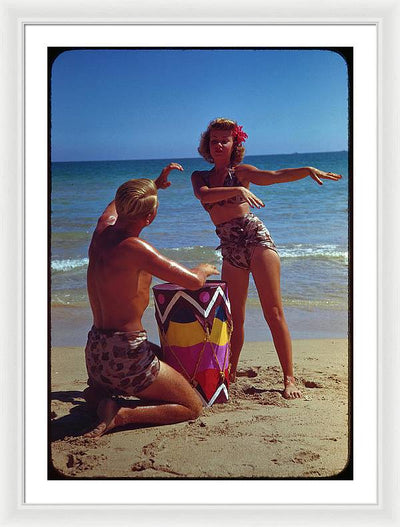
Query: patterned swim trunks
point(121, 363)
point(240, 236)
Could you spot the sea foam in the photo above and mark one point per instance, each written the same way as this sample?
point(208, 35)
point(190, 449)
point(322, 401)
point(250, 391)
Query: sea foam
point(68, 265)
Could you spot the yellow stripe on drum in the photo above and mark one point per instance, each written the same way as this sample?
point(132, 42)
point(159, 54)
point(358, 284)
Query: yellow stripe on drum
point(220, 332)
point(192, 333)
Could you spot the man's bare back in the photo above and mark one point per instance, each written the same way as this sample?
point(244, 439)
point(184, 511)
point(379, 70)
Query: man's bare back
point(120, 271)
point(117, 285)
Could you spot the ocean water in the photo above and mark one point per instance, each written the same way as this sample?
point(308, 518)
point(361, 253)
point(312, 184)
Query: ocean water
point(308, 222)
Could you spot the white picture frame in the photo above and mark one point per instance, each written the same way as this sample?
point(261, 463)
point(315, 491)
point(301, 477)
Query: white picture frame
point(385, 18)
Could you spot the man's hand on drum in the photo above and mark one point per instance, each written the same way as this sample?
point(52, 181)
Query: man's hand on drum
point(206, 268)
point(209, 269)
point(162, 180)
point(317, 175)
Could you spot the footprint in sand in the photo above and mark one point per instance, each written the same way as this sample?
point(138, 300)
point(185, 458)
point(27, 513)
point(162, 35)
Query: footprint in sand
point(305, 457)
point(142, 465)
point(252, 390)
point(312, 384)
point(248, 372)
point(312, 474)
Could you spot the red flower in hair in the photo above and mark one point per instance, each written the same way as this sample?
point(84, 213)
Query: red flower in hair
point(239, 135)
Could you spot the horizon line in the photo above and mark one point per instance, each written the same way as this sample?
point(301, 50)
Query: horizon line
point(199, 157)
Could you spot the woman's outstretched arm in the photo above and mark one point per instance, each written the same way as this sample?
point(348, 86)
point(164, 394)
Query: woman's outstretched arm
point(251, 174)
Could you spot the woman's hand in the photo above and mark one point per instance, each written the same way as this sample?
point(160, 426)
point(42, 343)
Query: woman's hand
point(162, 180)
point(251, 198)
point(317, 175)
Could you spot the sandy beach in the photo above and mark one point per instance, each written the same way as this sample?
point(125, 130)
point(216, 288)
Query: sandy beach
point(257, 434)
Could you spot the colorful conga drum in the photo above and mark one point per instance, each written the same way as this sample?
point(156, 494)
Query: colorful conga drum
point(195, 329)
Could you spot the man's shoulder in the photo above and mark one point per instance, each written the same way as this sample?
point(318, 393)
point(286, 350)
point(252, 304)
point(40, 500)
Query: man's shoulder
point(134, 242)
point(137, 245)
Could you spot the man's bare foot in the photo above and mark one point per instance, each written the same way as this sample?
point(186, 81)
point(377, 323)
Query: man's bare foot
point(107, 411)
point(93, 396)
point(291, 391)
point(232, 376)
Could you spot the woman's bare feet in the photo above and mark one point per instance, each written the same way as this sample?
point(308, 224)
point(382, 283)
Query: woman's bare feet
point(107, 411)
point(291, 391)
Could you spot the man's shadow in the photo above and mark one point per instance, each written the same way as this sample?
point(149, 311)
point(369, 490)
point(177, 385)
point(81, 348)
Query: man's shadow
point(82, 417)
point(79, 420)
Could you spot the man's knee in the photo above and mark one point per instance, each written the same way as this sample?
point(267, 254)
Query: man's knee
point(196, 408)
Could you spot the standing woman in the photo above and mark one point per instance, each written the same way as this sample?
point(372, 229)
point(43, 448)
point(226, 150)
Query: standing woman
point(246, 244)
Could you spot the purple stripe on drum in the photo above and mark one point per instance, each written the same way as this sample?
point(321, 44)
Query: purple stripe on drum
point(213, 357)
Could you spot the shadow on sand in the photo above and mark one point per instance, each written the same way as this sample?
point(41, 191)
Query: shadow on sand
point(80, 419)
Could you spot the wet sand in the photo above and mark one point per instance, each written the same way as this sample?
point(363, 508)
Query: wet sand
point(257, 434)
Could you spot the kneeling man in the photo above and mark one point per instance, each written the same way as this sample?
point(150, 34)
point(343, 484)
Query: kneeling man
point(119, 358)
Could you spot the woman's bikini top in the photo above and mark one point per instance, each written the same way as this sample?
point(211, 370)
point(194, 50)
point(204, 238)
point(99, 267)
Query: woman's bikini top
point(231, 180)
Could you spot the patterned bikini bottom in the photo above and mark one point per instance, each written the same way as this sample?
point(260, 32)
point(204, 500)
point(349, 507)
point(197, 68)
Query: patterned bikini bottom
point(240, 236)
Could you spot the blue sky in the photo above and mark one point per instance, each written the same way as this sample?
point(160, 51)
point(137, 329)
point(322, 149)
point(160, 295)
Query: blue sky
point(153, 104)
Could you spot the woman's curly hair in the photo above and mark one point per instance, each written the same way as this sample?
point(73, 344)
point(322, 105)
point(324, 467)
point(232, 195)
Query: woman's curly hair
point(220, 124)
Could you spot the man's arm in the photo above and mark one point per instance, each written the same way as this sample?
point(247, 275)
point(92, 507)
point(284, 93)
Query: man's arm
point(162, 180)
point(149, 259)
point(109, 217)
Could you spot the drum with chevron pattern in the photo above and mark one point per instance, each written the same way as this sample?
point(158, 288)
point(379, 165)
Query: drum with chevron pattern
point(195, 329)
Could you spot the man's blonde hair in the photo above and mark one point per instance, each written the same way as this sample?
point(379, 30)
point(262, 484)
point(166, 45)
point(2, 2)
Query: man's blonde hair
point(136, 198)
